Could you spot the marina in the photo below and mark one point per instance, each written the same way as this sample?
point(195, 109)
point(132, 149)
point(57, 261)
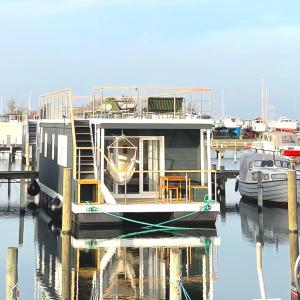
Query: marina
point(149, 150)
point(128, 194)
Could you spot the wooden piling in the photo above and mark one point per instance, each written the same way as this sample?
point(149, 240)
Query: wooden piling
point(12, 273)
point(66, 266)
point(67, 203)
point(175, 272)
point(259, 190)
point(292, 201)
point(294, 252)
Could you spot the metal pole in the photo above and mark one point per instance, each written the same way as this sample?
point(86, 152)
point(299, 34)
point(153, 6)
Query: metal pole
point(208, 163)
point(94, 105)
point(174, 106)
point(79, 163)
point(202, 164)
point(259, 190)
point(186, 188)
point(260, 271)
point(235, 152)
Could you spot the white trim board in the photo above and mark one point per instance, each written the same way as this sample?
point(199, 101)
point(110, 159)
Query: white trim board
point(141, 208)
point(145, 242)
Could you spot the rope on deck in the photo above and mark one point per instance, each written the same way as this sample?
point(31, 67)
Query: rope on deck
point(206, 207)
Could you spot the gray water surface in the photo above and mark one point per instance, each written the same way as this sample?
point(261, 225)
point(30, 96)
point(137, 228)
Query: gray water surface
point(215, 264)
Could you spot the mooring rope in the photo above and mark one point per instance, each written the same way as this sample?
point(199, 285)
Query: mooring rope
point(206, 207)
point(149, 227)
point(185, 293)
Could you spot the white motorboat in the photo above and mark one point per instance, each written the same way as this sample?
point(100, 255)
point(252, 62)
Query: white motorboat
point(228, 123)
point(274, 169)
point(258, 125)
point(280, 143)
point(283, 124)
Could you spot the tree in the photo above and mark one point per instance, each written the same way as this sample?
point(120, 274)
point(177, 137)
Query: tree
point(11, 106)
point(20, 109)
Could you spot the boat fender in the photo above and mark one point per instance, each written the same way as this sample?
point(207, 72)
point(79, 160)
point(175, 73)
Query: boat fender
point(236, 188)
point(220, 192)
point(55, 204)
point(32, 206)
point(54, 227)
point(33, 188)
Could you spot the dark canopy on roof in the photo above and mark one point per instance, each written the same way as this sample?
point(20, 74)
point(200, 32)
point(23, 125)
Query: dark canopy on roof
point(164, 104)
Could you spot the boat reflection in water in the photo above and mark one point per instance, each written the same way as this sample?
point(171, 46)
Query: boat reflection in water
point(271, 228)
point(161, 266)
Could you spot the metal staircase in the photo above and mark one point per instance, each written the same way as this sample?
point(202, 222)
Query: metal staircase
point(85, 164)
point(32, 132)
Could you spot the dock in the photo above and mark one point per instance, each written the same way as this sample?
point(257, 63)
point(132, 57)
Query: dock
point(231, 144)
point(227, 173)
point(12, 175)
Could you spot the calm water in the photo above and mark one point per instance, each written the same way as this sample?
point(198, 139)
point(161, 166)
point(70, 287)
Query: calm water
point(214, 264)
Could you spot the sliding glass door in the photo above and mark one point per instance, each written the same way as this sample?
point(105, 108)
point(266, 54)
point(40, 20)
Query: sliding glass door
point(152, 162)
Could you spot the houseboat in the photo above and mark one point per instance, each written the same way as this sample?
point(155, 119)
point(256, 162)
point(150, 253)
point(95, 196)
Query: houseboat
point(137, 155)
point(11, 129)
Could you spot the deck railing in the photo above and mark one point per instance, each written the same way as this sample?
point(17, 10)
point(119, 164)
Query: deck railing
point(165, 186)
point(128, 102)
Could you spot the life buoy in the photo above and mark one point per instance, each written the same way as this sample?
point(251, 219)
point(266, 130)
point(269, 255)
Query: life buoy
point(33, 188)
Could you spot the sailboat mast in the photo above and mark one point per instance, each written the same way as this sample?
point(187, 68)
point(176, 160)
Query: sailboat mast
point(266, 106)
point(29, 101)
point(222, 104)
point(262, 101)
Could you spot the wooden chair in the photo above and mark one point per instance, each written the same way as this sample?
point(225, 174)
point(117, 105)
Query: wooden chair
point(164, 189)
point(196, 187)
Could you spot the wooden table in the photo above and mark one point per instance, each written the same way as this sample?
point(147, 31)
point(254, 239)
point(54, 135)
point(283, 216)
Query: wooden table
point(169, 179)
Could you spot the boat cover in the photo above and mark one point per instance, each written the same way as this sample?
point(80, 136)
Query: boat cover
point(266, 160)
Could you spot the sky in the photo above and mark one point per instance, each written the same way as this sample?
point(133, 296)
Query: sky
point(231, 45)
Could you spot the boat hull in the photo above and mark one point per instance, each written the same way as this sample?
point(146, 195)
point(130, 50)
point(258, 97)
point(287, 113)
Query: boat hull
point(274, 192)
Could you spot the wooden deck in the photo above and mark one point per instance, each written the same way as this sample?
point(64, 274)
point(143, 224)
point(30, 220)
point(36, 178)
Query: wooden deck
point(155, 201)
point(231, 144)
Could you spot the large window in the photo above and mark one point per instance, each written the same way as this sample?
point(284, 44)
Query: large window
point(53, 147)
point(46, 145)
point(62, 150)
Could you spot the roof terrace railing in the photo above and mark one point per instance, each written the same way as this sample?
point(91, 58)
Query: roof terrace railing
point(128, 102)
